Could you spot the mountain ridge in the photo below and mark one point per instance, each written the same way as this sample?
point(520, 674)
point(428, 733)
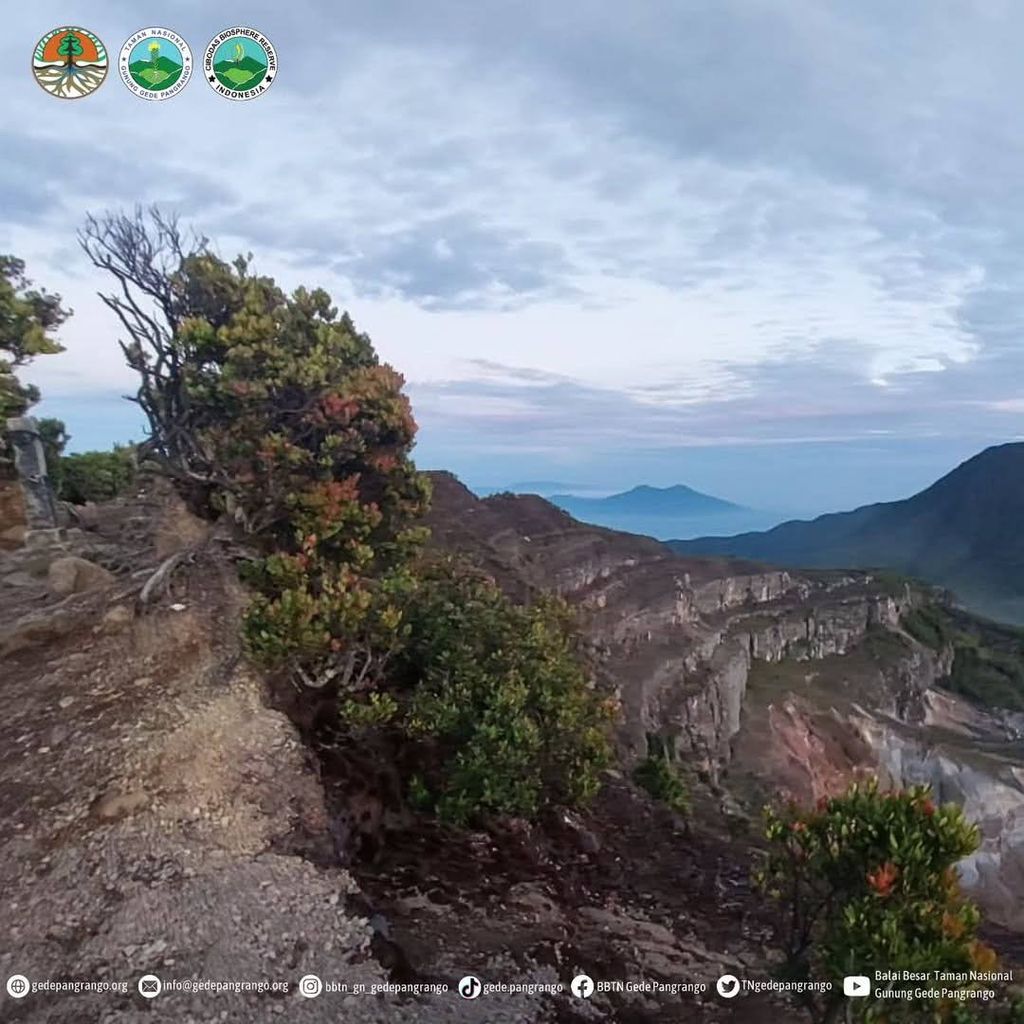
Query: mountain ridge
point(961, 533)
point(664, 512)
point(677, 498)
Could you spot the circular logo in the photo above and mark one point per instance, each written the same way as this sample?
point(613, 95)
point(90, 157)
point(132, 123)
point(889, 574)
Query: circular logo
point(728, 985)
point(150, 986)
point(240, 63)
point(17, 986)
point(70, 62)
point(582, 986)
point(155, 63)
point(470, 987)
point(310, 986)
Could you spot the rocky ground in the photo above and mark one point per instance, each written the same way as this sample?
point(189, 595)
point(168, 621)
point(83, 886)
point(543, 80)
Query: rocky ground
point(160, 816)
point(167, 810)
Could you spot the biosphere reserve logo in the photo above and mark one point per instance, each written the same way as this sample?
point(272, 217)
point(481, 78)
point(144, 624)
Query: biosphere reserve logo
point(155, 63)
point(70, 62)
point(240, 63)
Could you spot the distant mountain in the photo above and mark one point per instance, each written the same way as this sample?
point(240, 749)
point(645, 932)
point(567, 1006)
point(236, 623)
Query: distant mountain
point(663, 512)
point(964, 532)
point(677, 500)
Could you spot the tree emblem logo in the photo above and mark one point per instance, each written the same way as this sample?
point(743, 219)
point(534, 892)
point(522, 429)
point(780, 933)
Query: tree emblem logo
point(155, 63)
point(70, 62)
point(240, 63)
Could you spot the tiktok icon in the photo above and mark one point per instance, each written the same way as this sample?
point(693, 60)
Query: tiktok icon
point(470, 987)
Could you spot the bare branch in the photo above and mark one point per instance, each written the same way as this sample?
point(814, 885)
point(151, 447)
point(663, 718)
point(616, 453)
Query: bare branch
point(144, 252)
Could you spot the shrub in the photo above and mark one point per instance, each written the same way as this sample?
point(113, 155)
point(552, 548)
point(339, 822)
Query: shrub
point(28, 319)
point(495, 700)
point(95, 476)
point(659, 774)
point(274, 412)
point(928, 625)
point(867, 882)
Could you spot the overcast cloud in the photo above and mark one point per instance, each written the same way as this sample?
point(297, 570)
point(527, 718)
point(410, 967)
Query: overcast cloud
point(601, 240)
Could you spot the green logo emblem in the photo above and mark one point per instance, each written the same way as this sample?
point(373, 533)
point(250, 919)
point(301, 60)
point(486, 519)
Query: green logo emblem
point(240, 63)
point(70, 62)
point(155, 63)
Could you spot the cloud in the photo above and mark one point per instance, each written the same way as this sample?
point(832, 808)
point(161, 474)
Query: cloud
point(664, 224)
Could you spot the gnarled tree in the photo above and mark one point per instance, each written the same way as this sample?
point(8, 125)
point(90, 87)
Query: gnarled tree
point(272, 409)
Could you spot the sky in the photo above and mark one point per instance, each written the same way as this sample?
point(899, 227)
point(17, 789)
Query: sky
point(772, 250)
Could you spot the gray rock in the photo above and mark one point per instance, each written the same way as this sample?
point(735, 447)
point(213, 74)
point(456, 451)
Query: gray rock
point(74, 575)
point(115, 804)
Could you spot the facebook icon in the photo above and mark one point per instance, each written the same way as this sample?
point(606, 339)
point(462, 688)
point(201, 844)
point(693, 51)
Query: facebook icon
point(582, 986)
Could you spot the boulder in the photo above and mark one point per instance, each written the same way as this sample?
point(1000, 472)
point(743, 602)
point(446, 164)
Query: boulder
point(73, 575)
point(117, 617)
point(12, 536)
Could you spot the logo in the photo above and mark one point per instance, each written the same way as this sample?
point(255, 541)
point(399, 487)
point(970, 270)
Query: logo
point(582, 986)
point(310, 986)
point(155, 63)
point(240, 63)
point(70, 63)
point(728, 985)
point(17, 986)
point(856, 985)
point(470, 987)
point(150, 986)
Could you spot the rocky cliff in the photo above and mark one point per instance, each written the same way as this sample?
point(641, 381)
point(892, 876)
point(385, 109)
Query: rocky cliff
point(771, 682)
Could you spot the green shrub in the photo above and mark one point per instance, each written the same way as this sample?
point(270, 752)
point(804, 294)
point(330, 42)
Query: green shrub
point(659, 774)
point(867, 882)
point(494, 699)
point(272, 411)
point(95, 476)
point(28, 319)
point(927, 625)
point(988, 657)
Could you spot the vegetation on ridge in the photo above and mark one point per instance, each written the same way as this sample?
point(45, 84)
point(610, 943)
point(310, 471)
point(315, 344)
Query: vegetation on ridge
point(28, 319)
point(866, 883)
point(659, 775)
point(273, 411)
point(987, 658)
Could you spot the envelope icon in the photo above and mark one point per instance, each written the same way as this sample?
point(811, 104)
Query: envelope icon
point(150, 985)
point(856, 985)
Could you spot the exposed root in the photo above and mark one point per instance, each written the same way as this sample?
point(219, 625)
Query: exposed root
point(156, 586)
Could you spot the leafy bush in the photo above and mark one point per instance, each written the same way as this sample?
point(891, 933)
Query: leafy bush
point(303, 438)
point(95, 476)
point(988, 657)
point(494, 699)
point(867, 882)
point(272, 411)
point(928, 625)
point(988, 662)
point(659, 774)
point(28, 318)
